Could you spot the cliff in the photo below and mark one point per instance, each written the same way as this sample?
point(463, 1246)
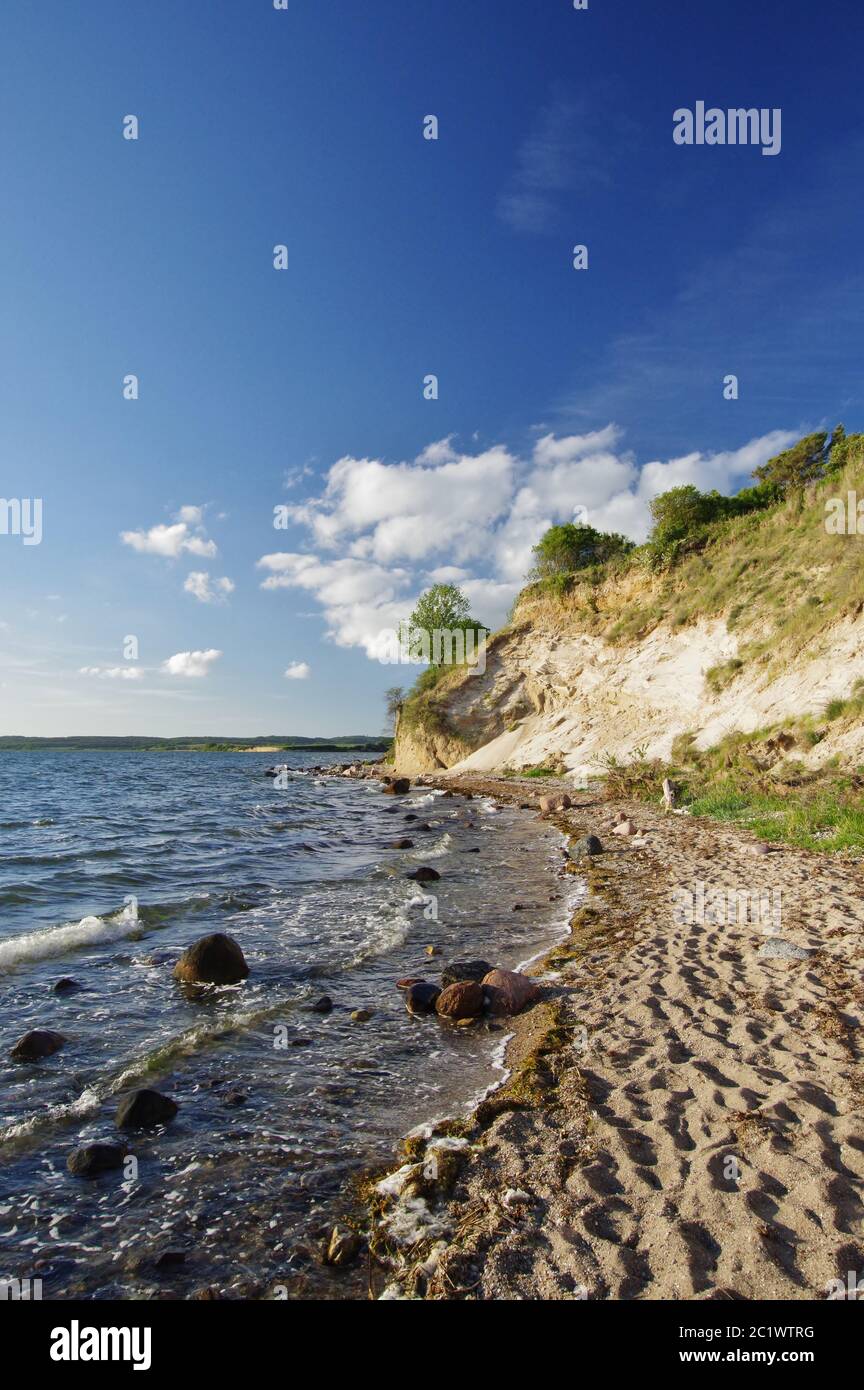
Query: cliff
point(757, 628)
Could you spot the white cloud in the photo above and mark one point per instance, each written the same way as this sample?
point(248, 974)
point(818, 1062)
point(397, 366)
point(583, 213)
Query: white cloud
point(169, 541)
point(208, 590)
point(113, 673)
point(186, 535)
point(298, 671)
point(408, 511)
point(476, 518)
point(190, 663)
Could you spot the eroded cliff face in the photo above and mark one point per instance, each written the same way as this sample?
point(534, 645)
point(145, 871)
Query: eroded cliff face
point(552, 693)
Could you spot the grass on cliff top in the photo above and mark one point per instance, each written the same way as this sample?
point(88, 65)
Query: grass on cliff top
point(774, 574)
point(755, 781)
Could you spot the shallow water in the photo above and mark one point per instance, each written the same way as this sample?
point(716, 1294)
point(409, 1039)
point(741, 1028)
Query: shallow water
point(111, 864)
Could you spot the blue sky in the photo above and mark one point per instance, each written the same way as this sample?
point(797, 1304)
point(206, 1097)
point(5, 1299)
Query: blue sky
point(304, 388)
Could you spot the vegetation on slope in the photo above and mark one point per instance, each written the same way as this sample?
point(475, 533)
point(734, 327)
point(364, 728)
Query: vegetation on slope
point(758, 780)
point(762, 558)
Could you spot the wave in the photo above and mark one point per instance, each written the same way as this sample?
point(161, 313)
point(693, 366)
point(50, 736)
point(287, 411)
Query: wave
point(434, 851)
point(154, 1061)
point(58, 941)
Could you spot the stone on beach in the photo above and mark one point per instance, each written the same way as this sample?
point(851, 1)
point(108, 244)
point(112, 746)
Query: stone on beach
point(463, 1000)
point(213, 960)
point(589, 845)
point(558, 802)
point(460, 970)
point(145, 1109)
point(38, 1043)
point(92, 1159)
point(624, 827)
point(779, 949)
point(509, 992)
point(342, 1247)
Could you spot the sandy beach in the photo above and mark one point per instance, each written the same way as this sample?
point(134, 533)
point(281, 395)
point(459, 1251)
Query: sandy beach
point(683, 1113)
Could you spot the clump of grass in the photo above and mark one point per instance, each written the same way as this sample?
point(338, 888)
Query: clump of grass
point(750, 780)
point(718, 677)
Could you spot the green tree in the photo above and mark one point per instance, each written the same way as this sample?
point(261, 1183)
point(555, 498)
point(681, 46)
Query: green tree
point(569, 547)
point(440, 610)
point(796, 467)
point(681, 511)
point(844, 448)
point(394, 698)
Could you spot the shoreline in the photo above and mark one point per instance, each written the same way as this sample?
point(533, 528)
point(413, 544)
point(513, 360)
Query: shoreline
point(682, 1116)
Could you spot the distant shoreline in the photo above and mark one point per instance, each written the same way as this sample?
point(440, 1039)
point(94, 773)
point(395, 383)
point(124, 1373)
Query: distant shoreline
point(192, 745)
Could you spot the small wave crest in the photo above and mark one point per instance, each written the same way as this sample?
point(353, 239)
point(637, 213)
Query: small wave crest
point(58, 941)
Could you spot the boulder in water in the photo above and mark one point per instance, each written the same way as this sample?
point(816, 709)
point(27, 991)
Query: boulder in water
point(93, 1159)
point(463, 1000)
point(66, 986)
point(424, 874)
point(399, 786)
point(421, 997)
point(509, 992)
point(145, 1109)
point(38, 1043)
point(214, 960)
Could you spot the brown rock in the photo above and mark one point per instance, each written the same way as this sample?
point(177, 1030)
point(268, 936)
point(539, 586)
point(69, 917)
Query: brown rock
point(462, 1000)
point(38, 1043)
point(214, 960)
point(398, 787)
point(509, 992)
point(343, 1247)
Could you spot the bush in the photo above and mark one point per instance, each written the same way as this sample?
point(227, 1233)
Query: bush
point(568, 548)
